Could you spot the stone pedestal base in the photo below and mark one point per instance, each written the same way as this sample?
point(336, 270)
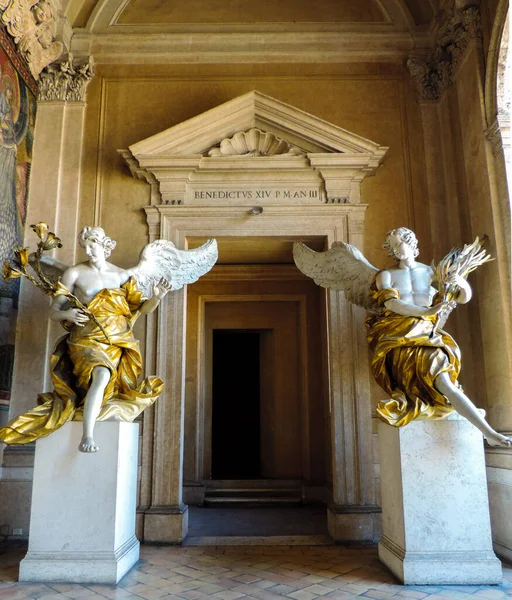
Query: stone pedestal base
point(166, 524)
point(354, 523)
point(435, 510)
point(82, 522)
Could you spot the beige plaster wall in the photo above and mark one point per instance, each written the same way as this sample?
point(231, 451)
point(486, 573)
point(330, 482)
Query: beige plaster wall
point(126, 105)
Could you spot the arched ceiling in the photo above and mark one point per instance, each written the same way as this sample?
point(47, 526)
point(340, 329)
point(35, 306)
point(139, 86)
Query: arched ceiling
point(161, 12)
point(338, 29)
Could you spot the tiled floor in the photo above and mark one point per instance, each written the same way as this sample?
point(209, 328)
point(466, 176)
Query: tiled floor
point(248, 573)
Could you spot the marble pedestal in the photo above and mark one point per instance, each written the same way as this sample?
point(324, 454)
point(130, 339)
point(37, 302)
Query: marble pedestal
point(82, 522)
point(435, 510)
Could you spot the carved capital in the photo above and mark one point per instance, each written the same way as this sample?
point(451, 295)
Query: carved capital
point(434, 73)
point(32, 25)
point(66, 80)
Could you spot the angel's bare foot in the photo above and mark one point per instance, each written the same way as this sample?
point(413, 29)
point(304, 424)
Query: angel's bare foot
point(87, 444)
point(497, 439)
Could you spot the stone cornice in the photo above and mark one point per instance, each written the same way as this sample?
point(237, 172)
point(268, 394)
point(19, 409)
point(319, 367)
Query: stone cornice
point(434, 73)
point(65, 81)
point(243, 47)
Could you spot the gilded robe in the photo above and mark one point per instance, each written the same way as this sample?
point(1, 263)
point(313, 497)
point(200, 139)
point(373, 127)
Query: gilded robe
point(73, 360)
point(408, 354)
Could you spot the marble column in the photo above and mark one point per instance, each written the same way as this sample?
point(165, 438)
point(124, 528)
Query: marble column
point(54, 194)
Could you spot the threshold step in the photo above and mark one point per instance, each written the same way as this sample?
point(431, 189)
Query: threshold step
point(253, 493)
point(267, 484)
point(253, 499)
point(252, 540)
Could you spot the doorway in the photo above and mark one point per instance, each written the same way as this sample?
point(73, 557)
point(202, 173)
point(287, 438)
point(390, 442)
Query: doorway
point(236, 447)
point(256, 413)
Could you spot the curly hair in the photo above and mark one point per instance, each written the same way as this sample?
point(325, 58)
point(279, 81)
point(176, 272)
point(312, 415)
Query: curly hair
point(96, 234)
point(406, 235)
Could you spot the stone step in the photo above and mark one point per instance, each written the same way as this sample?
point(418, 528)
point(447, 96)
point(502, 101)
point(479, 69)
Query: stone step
point(253, 497)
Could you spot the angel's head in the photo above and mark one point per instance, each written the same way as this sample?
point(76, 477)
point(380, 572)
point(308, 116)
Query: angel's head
point(96, 236)
point(396, 238)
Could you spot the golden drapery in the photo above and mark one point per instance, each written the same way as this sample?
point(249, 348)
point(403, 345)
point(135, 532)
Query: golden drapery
point(73, 360)
point(407, 357)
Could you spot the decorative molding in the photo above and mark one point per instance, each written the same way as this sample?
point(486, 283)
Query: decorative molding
point(254, 142)
point(493, 135)
point(301, 159)
point(65, 81)
point(32, 25)
point(494, 61)
point(121, 45)
point(433, 74)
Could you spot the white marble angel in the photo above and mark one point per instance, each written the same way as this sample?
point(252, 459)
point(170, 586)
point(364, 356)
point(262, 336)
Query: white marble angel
point(414, 360)
point(95, 367)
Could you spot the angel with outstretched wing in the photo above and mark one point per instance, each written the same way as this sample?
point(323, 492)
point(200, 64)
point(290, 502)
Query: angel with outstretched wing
point(95, 368)
point(414, 360)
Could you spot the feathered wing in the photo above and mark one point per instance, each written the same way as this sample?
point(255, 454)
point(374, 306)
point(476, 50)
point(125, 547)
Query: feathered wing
point(343, 268)
point(162, 260)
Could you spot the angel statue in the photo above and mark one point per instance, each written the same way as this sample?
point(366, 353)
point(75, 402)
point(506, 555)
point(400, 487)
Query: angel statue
point(95, 367)
point(414, 360)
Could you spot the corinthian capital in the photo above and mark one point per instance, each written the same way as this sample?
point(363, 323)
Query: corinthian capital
point(66, 80)
point(434, 73)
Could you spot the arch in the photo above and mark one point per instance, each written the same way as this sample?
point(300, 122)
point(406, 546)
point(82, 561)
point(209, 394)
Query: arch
point(106, 13)
point(491, 75)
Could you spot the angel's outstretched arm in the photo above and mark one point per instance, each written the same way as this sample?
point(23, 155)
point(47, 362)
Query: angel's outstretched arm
point(159, 291)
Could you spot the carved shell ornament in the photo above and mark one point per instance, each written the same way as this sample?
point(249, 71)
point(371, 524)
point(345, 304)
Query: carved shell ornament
point(254, 143)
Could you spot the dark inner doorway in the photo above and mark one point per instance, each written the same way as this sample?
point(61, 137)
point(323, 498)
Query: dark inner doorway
point(236, 404)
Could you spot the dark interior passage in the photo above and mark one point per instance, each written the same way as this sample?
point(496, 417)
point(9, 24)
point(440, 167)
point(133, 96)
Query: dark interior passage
point(236, 404)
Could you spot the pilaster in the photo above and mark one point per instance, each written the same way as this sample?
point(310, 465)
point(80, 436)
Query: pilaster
point(53, 198)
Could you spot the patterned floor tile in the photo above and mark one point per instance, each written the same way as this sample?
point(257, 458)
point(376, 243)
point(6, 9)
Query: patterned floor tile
point(246, 573)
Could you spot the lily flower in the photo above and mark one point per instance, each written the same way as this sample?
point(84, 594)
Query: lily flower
point(51, 242)
point(60, 290)
point(11, 272)
point(41, 229)
point(22, 255)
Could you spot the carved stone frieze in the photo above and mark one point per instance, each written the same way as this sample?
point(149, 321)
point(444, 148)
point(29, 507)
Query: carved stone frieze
point(65, 80)
point(32, 25)
point(254, 142)
point(433, 74)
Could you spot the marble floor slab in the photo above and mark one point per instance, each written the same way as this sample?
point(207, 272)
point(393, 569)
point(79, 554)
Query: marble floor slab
point(246, 573)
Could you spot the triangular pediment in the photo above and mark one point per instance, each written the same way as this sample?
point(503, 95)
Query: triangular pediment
point(224, 154)
point(254, 110)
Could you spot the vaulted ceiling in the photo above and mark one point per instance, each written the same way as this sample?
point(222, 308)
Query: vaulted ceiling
point(109, 13)
point(245, 30)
